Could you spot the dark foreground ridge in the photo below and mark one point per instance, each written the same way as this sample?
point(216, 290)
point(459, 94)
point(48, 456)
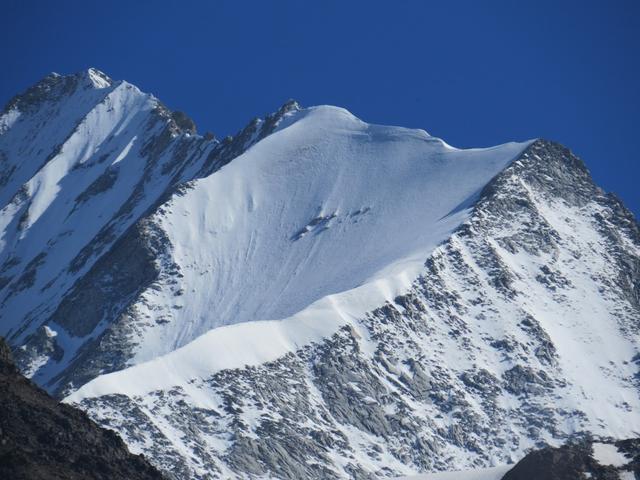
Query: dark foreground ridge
point(43, 439)
point(579, 461)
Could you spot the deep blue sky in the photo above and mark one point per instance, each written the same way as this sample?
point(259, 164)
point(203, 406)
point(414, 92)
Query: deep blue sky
point(476, 73)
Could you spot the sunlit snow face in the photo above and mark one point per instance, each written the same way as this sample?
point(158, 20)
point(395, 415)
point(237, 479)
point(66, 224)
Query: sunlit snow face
point(324, 205)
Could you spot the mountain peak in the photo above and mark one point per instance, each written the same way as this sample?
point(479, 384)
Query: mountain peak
point(54, 87)
point(290, 105)
point(309, 297)
point(96, 78)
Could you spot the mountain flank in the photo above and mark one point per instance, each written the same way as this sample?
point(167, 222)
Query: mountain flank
point(42, 439)
point(316, 297)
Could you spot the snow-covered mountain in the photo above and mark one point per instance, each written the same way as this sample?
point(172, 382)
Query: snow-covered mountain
point(84, 159)
point(316, 297)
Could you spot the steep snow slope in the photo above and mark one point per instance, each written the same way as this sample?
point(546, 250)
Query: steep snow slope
point(83, 158)
point(326, 204)
point(521, 329)
point(315, 297)
point(315, 204)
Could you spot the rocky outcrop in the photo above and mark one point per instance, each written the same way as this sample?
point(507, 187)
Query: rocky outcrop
point(579, 461)
point(41, 439)
point(470, 367)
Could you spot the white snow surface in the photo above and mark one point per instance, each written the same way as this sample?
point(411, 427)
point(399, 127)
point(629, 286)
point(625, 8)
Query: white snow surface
point(320, 222)
point(71, 169)
point(58, 152)
point(493, 473)
point(309, 230)
point(608, 454)
point(479, 334)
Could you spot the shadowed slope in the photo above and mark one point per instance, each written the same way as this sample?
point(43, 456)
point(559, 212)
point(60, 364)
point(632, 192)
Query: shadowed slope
point(43, 439)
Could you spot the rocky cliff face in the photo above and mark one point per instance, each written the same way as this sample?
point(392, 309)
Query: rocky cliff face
point(497, 347)
point(43, 439)
point(317, 297)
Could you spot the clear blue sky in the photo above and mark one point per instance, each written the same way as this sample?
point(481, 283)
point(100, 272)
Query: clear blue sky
point(475, 73)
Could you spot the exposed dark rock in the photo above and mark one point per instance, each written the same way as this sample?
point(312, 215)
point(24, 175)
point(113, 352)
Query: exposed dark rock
point(101, 184)
point(574, 462)
point(117, 277)
point(50, 88)
point(525, 380)
point(42, 343)
point(183, 121)
point(41, 439)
